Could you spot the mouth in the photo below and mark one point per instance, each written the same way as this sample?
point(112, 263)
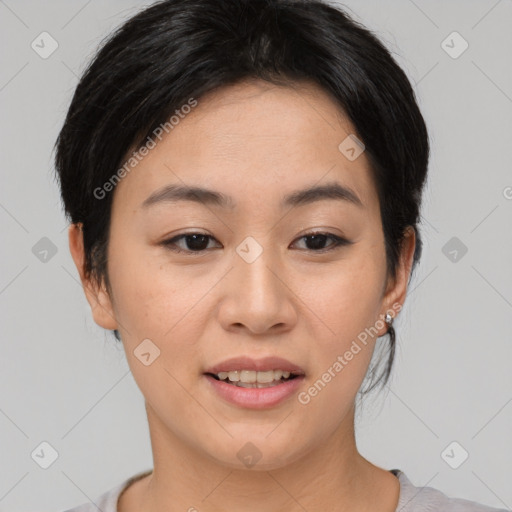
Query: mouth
point(253, 383)
point(255, 379)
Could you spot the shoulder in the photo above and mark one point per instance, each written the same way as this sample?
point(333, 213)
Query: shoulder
point(428, 499)
point(107, 502)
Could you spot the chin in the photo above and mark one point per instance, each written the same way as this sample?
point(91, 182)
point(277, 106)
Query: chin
point(256, 453)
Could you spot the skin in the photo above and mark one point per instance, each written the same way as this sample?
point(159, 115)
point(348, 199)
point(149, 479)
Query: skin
point(255, 142)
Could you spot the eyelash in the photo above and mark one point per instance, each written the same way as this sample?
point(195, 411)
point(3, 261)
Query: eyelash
point(338, 242)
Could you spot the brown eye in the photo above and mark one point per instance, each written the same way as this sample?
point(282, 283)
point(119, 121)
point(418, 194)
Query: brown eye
point(194, 242)
point(316, 241)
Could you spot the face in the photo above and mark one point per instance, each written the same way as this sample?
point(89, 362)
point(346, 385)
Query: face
point(253, 269)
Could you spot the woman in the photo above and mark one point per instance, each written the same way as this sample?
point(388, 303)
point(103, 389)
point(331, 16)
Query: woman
point(244, 181)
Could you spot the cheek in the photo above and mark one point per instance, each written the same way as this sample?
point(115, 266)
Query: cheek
point(153, 303)
point(166, 305)
point(151, 300)
point(348, 305)
point(347, 299)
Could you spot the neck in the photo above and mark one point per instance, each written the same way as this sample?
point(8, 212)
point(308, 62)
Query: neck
point(330, 476)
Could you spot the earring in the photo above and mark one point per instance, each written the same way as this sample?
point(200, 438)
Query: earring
point(388, 319)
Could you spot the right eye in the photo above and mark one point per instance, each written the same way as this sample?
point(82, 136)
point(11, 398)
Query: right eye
point(197, 242)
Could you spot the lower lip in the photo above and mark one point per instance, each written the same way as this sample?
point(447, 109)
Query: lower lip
point(256, 398)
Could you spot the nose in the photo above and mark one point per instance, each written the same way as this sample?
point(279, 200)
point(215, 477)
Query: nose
point(256, 297)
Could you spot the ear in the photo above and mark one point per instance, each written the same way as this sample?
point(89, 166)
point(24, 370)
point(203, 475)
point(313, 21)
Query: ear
point(396, 290)
point(97, 296)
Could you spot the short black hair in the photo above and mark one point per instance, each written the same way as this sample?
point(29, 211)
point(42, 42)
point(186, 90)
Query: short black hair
point(176, 50)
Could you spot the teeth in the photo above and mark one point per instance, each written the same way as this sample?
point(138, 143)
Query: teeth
point(264, 377)
point(248, 376)
point(233, 376)
point(252, 377)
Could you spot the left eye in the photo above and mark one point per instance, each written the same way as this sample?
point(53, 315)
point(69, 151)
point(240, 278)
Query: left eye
point(319, 239)
point(198, 242)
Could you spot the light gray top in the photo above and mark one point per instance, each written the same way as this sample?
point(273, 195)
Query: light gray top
point(411, 498)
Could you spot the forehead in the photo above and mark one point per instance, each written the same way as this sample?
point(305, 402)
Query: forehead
point(253, 141)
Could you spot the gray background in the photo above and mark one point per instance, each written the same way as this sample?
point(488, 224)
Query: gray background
point(62, 379)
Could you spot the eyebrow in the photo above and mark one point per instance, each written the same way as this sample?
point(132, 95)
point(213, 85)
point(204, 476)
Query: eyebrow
point(201, 195)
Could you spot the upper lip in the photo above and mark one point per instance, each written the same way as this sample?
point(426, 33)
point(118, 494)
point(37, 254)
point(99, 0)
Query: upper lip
point(259, 365)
